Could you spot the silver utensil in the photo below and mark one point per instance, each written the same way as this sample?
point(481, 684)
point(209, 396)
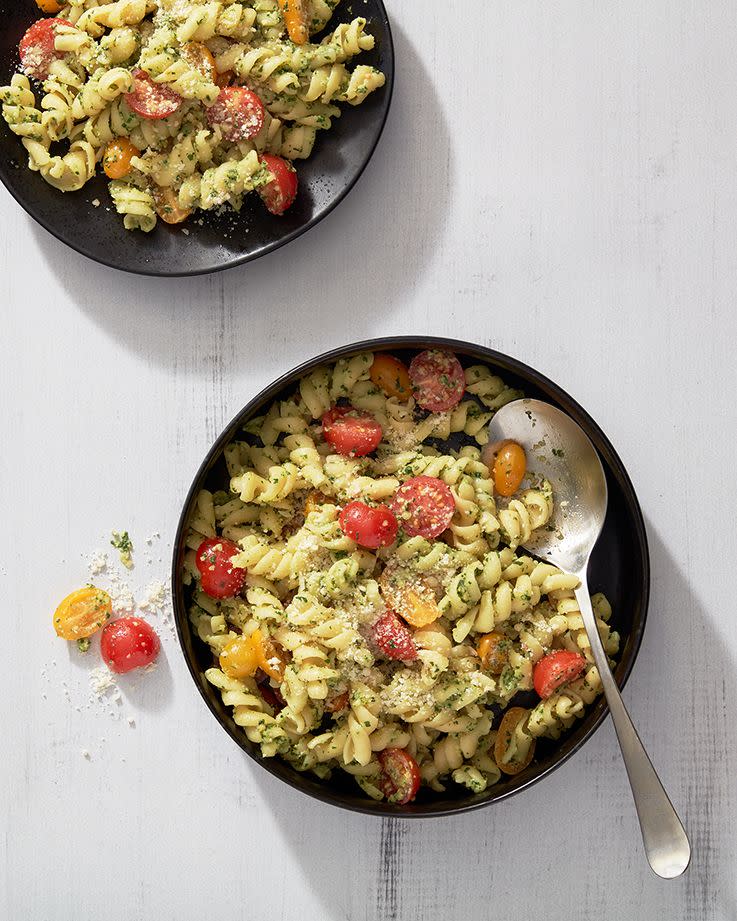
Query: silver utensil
point(558, 449)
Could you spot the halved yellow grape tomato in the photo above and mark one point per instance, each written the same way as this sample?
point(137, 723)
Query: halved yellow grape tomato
point(116, 160)
point(510, 466)
point(240, 657)
point(82, 613)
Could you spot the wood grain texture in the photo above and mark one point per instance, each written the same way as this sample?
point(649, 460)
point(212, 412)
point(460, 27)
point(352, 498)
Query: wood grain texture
point(557, 181)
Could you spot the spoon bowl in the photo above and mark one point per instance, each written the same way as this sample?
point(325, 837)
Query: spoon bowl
point(559, 450)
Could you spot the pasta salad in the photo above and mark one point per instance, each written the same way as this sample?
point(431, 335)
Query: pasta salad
point(361, 585)
point(187, 104)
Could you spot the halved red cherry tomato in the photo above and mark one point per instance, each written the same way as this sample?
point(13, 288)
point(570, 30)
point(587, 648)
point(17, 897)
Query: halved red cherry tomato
point(393, 638)
point(82, 613)
point(36, 48)
point(220, 579)
point(280, 192)
point(129, 643)
point(271, 695)
point(351, 431)
point(423, 505)
point(390, 374)
point(337, 703)
point(556, 669)
point(238, 112)
point(511, 719)
point(438, 380)
point(369, 526)
point(510, 466)
point(151, 100)
point(200, 58)
point(400, 775)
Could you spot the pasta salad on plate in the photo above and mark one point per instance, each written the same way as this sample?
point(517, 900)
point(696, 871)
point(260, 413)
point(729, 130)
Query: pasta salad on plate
point(186, 105)
point(360, 582)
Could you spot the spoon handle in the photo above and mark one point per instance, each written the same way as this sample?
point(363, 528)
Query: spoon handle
point(666, 844)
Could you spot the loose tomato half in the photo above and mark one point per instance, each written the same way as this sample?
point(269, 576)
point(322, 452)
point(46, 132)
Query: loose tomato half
point(400, 775)
point(37, 49)
point(117, 158)
point(508, 463)
point(129, 643)
point(279, 193)
point(492, 650)
point(350, 431)
point(391, 375)
point(271, 658)
point(82, 613)
point(411, 598)
point(370, 526)
point(424, 506)
point(510, 721)
point(151, 100)
point(238, 112)
point(167, 205)
point(271, 695)
point(438, 380)
point(49, 6)
point(337, 703)
point(556, 669)
point(393, 638)
point(239, 657)
point(315, 500)
point(199, 56)
point(220, 579)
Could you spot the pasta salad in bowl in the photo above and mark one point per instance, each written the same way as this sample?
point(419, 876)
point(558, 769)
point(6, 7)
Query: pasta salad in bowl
point(351, 593)
point(186, 109)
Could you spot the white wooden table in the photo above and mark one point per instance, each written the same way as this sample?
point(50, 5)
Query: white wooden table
point(557, 181)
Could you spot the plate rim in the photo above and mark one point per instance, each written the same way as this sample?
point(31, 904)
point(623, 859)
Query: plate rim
point(78, 244)
point(302, 782)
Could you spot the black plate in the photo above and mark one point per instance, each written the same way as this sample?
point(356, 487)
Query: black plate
point(620, 567)
point(340, 157)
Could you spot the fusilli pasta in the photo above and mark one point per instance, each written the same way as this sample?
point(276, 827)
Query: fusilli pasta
point(189, 104)
point(411, 644)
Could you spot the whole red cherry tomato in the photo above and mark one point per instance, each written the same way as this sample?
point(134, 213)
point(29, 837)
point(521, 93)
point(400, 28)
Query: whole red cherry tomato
point(128, 643)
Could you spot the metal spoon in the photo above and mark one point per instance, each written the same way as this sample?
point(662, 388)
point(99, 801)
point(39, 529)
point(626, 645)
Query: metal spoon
point(564, 455)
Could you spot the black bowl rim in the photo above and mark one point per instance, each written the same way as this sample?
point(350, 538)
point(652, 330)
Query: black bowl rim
point(77, 243)
point(303, 782)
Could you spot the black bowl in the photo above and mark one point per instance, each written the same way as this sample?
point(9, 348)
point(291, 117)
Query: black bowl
point(340, 157)
point(620, 567)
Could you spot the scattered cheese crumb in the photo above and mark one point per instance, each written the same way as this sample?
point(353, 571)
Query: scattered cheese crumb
point(97, 562)
point(102, 680)
point(96, 202)
point(154, 599)
point(86, 754)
